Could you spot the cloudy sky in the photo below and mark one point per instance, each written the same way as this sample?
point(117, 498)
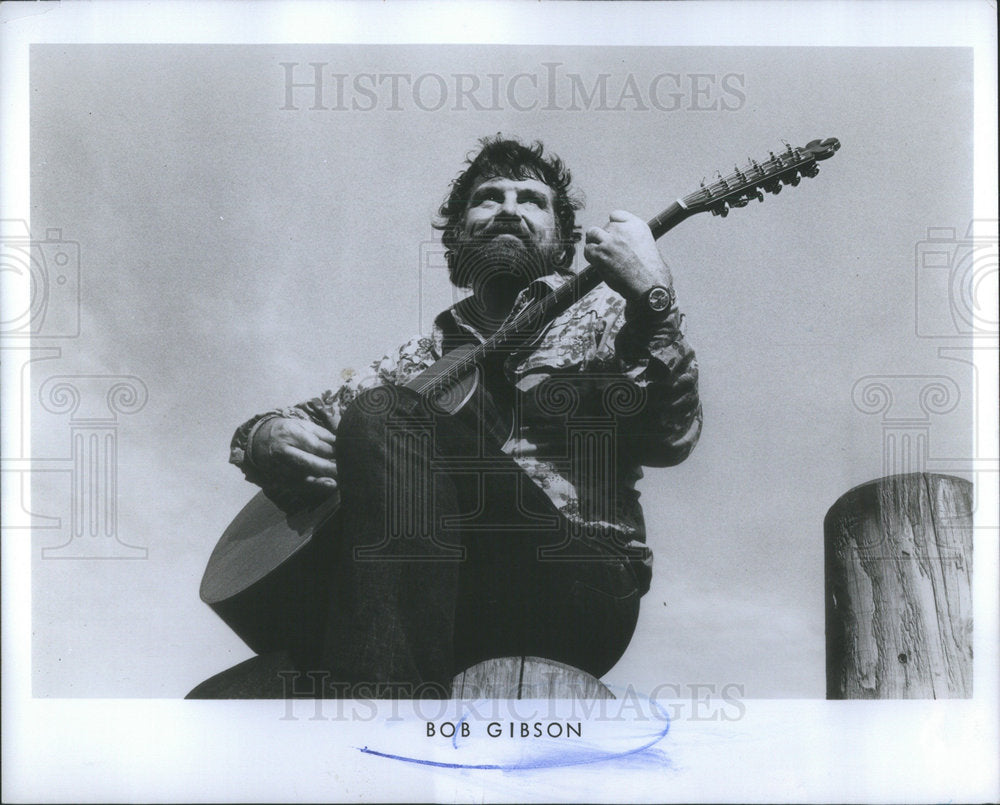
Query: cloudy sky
point(236, 254)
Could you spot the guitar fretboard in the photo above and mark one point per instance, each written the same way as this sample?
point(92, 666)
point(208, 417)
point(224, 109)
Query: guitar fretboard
point(737, 190)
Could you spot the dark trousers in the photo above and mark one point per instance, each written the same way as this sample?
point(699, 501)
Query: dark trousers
point(448, 554)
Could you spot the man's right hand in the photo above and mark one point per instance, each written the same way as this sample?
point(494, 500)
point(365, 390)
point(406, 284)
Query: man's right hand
point(296, 450)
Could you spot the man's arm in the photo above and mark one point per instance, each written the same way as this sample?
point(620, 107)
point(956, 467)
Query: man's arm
point(291, 452)
point(649, 347)
point(657, 358)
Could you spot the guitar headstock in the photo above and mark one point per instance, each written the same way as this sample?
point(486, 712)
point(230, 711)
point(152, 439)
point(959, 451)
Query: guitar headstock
point(756, 178)
point(822, 149)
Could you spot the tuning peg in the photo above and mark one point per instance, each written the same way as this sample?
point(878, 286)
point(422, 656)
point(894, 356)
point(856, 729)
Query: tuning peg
point(758, 195)
point(809, 171)
point(721, 209)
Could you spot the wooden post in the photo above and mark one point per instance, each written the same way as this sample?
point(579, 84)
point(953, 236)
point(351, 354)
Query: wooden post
point(527, 678)
point(899, 589)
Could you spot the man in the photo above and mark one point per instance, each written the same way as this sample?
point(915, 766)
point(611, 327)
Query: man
point(453, 547)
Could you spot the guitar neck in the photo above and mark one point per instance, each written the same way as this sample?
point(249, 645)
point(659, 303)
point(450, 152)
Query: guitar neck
point(735, 190)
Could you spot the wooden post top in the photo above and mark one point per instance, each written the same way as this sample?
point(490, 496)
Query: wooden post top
point(527, 678)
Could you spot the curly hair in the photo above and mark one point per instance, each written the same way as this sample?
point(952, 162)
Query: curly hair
point(512, 159)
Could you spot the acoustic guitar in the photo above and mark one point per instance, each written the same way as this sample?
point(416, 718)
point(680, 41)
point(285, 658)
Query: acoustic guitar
point(262, 578)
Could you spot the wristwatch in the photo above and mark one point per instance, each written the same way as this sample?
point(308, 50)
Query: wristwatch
point(655, 303)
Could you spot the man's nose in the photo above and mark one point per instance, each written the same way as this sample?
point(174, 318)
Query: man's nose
point(509, 206)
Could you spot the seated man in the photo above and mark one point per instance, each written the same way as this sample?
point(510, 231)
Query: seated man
point(454, 546)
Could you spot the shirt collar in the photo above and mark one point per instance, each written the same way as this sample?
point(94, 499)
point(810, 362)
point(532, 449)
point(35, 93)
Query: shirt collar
point(456, 318)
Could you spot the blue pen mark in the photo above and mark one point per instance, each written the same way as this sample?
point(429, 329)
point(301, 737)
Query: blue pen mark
point(458, 728)
point(553, 760)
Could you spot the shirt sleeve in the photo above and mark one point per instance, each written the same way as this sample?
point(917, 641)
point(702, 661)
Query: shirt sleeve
point(655, 356)
point(326, 409)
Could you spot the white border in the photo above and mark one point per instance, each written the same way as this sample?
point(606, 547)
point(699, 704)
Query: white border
point(173, 751)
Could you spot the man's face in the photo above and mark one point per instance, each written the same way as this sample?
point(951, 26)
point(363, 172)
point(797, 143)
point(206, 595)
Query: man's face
point(509, 229)
point(524, 207)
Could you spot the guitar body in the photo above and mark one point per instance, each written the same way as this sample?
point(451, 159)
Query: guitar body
point(266, 576)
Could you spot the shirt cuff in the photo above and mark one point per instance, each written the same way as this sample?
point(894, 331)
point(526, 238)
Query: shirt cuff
point(654, 330)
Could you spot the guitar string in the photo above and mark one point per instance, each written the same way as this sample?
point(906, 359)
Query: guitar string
point(770, 170)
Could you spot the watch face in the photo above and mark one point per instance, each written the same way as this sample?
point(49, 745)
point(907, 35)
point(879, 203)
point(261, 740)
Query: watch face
point(659, 299)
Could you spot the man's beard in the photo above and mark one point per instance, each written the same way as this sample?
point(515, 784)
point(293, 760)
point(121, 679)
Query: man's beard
point(478, 262)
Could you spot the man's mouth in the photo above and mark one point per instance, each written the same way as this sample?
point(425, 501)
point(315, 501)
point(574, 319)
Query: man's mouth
point(507, 236)
point(497, 233)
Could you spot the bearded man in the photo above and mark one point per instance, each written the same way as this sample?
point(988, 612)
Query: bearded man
point(453, 547)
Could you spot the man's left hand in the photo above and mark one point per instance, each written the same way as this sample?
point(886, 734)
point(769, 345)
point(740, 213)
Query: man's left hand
point(626, 255)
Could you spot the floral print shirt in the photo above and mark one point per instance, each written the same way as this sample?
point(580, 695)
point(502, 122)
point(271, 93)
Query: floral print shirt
point(602, 394)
